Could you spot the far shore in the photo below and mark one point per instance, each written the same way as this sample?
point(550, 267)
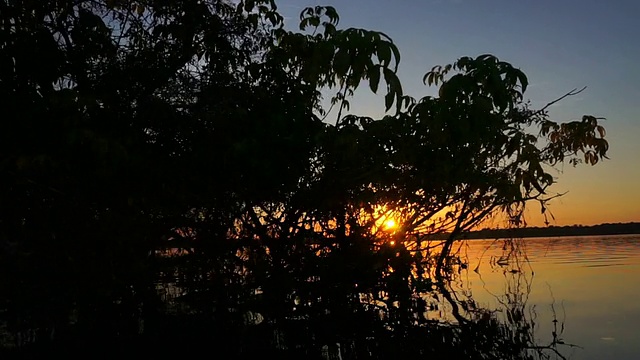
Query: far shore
point(554, 231)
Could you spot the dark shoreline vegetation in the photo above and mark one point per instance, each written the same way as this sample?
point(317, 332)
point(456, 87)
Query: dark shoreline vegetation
point(554, 231)
point(172, 184)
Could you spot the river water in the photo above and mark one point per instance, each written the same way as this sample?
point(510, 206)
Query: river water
point(590, 285)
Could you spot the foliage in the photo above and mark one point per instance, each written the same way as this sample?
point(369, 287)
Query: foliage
point(184, 143)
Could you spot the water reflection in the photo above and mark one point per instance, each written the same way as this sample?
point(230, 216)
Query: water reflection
point(572, 295)
point(588, 283)
point(516, 299)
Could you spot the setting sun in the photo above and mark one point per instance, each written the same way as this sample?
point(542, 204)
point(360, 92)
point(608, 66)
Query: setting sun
point(390, 224)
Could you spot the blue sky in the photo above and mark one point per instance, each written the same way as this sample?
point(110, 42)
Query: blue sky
point(560, 45)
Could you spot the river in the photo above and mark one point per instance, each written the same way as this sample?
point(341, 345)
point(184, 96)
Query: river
point(590, 285)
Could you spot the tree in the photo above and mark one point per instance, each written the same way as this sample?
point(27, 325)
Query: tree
point(198, 126)
point(437, 165)
point(112, 115)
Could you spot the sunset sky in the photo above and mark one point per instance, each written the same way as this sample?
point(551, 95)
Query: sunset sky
point(560, 45)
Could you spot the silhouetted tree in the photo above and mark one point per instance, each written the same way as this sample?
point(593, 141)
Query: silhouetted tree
point(182, 146)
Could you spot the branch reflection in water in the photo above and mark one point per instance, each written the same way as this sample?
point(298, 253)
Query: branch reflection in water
point(413, 309)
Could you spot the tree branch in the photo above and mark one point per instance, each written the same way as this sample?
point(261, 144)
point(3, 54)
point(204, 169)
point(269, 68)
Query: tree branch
point(573, 92)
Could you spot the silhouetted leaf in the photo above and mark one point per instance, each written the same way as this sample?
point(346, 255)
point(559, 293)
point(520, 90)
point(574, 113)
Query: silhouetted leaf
point(374, 78)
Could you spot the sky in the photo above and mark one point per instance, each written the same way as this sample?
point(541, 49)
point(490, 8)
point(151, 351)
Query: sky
point(561, 45)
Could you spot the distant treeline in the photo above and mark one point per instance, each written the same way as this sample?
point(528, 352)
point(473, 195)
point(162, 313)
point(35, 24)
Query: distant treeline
point(573, 230)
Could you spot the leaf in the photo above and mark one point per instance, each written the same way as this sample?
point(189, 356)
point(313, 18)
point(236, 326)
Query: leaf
point(388, 101)
point(392, 80)
point(384, 53)
point(329, 29)
point(332, 14)
point(536, 185)
point(396, 54)
point(275, 18)
point(345, 104)
point(427, 79)
point(523, 79)
point(408, 101)
point(314, 21)
point(485, 57)
point(374, 78)
point(341, 62)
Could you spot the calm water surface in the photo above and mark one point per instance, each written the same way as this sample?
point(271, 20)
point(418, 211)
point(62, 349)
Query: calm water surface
point(592, 284)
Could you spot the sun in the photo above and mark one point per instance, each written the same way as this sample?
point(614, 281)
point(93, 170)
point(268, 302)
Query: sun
point(390, 224)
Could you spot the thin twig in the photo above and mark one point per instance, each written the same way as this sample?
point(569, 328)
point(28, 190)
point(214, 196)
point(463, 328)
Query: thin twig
point(570, 93)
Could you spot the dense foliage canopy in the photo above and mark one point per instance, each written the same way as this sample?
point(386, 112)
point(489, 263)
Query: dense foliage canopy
point(184, 146)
